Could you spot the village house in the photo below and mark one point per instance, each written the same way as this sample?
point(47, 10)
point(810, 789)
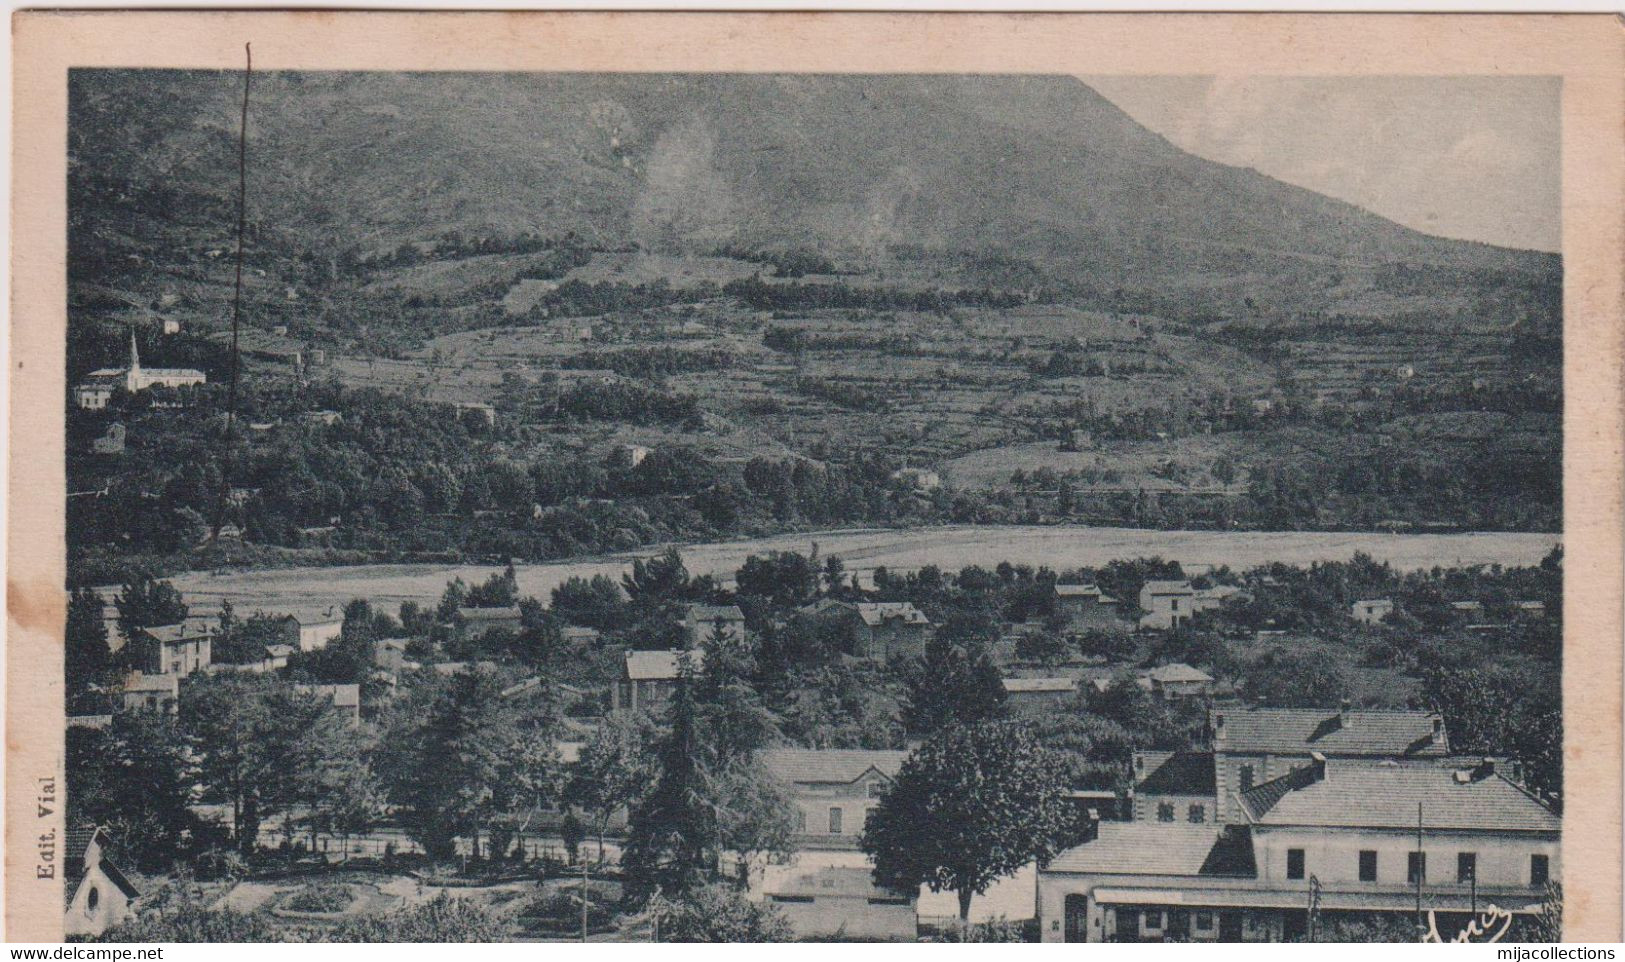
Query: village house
point(1253, 746)
point(99, 894)
point(649, 677)
point(832, 791)
point(880, 630)
point(473, 623)
point(919, 479)
point(631, 455)
point(308, 632)
point(98, 387)
point(1177, 681)
point(389, 655)
point(1171, 604)
point(346, 698)
point(1174, 787)
point(1038, 696)
point(1372, 611)
point(701, 623)
point(177, 650)
point(1367, 835)
point(273, 658)
point(110, 443)
point(151, 692)
point(828, 901)
point(1085, 606)
point(578, 635)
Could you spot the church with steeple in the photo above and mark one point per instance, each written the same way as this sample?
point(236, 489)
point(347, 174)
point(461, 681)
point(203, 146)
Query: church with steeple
point(98, 387)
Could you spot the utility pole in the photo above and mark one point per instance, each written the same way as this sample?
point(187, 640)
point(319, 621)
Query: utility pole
point(1314, 909)
point(1421, 861)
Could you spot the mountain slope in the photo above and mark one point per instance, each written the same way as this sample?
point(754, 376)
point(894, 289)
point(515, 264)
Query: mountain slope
point(1039, 168)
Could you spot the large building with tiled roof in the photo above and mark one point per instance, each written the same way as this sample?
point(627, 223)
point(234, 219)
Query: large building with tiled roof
point(1364, 835)
point(1253, 746)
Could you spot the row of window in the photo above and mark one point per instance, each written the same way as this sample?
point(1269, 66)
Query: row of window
point(1203, 921)
point(1416, 866)
point(1196, 814)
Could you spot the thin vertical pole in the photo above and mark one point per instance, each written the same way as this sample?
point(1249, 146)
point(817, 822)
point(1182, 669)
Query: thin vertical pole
point(237, 291)
point(1420, 868)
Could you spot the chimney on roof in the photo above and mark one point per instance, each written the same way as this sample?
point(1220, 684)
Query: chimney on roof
point(1517, 771)
point(1438, 729)
point(1318, 766)
point(1343, 714)
point(1091, 825)
point(1218, 727)
point(1484, 769)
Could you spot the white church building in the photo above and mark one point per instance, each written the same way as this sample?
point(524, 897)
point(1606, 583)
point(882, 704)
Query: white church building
point(96, 390)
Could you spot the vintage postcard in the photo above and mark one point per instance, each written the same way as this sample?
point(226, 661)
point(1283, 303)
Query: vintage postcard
point(834, 477)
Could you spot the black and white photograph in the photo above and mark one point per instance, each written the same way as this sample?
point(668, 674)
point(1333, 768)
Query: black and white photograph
point(764, 507)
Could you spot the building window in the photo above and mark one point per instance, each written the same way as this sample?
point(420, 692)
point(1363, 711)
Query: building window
point(1197, 814)
point(1466, 866)
point(93, 899)
point(876, 788)
point(1165, 811)
point(1153, 919)
point(1540, 869)
point(1368, 865)
point(1294, 863)
point(1204, 921)
point(835, 821)
point(1175, 603)
point(1416, 867)
point(1246, 777)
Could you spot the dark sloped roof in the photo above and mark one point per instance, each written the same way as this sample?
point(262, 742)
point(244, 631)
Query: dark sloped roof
point(77, 840)
point(1366, 795)
point(1177, 773)
point(1159, 848)
point(1298, 731)
point(830, 765)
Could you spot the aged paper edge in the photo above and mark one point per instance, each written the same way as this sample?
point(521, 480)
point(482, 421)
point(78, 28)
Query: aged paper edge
point(1585, 50)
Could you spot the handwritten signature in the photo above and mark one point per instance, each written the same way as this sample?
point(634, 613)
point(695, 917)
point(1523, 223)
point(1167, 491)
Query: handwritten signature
point(1481, 929)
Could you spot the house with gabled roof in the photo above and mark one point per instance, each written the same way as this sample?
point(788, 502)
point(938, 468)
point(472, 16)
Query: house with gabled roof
point(1172, 787)
point(701, 623)
point(1170, 604)
point(98, 892)
point(648, 678)
point(178, 649)
point(833, 789)
point(1178, 681)
point(1037, 696)
point(1085, 606)
point(877, 629)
